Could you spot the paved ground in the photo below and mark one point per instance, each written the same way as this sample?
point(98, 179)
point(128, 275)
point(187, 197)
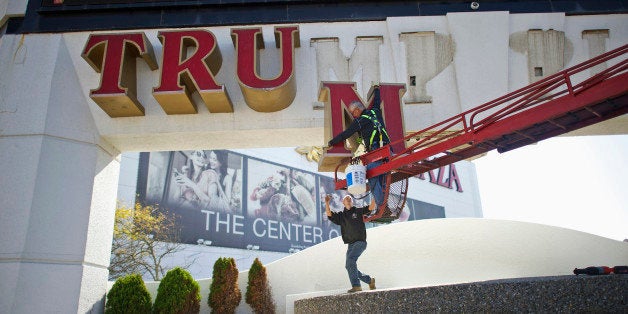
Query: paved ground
point(562, 294)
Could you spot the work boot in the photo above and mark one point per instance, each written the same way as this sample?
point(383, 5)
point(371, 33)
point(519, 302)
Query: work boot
point(354, 289)
point(372, 284)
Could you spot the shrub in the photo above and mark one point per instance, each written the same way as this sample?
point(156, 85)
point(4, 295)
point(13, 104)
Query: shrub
point(128, 295)
point(224, 294)
point(178, 292)
point(258, 294)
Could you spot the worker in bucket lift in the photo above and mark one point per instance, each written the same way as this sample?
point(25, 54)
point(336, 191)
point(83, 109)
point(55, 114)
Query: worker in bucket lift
point(353, 234)
point(370, 125)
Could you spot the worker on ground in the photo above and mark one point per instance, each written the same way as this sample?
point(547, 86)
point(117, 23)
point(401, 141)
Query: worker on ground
point(353, 233)
point(369, 123)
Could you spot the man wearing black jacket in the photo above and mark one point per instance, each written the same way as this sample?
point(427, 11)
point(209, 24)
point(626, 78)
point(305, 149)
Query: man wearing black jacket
point(369, 123)
point(354, 234)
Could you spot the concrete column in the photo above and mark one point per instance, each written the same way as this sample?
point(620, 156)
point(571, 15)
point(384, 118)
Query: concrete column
point(58, 187)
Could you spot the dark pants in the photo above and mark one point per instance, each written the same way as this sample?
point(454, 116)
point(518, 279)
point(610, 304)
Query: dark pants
point(354, 250)
point(376, 184)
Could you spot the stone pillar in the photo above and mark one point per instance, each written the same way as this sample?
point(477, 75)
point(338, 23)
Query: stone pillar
point(58, 185)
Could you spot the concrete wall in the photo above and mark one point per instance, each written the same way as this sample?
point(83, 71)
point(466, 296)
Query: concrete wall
point(59, 177)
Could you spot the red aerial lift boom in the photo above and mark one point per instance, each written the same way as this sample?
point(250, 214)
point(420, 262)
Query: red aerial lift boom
point(563, 102)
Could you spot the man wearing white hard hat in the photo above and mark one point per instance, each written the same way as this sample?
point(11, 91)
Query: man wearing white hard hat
point(353, 233)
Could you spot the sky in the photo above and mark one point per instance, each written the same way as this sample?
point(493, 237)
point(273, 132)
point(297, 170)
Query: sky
point(579, 183)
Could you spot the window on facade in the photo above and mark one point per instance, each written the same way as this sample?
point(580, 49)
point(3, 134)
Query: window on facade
point(538, 71)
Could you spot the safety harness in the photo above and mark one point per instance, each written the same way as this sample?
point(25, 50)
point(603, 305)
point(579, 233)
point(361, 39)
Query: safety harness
point(379, 128)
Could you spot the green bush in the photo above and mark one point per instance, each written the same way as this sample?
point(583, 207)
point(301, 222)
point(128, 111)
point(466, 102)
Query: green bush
point(178, 292)
point(128, 295)
point(258, 294)
point(224, 294)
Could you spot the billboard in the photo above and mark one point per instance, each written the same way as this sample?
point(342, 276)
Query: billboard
point(227, 199)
